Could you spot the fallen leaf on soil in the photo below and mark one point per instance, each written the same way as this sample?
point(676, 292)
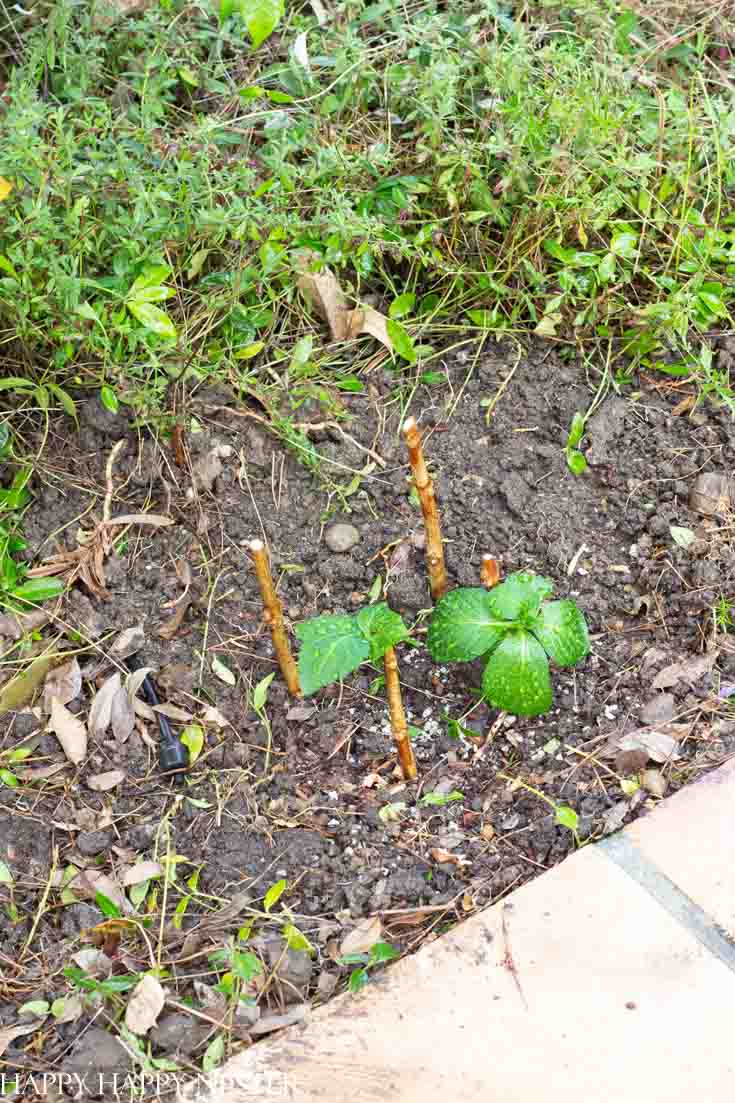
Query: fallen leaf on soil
point(67, 1009)
point(136, 679)
point(660, 745)
point(173, 712)
point(654, 782)
point(223, 672)
point(267, 1023)
point(92, 881)
point(8, 1034)
point(362, 938)
point(40, 773)
point(122, 715)
point(686, 670)
point(93, 961)
point(143, 709)
point(301, 712)
point(102, 783)
point(128, 642)
point(168, 630)
point(142, 871)
point(344, 321)
point(440, 855)
point(64, 683)
point(100, 714)
point(711, 493)
point(145, 1005)
point(70, 731)
point(19, 690)
point(211, 715)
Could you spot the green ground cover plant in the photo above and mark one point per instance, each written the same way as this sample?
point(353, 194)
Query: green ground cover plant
point(163, 175)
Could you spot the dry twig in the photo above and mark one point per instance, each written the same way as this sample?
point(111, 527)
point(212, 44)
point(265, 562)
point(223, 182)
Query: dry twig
point(274, 617)
point(398, 722)
point(425, 487)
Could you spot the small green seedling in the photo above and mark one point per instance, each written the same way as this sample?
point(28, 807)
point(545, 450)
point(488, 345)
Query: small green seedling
point(380, 952)
point(334, 646)
point(518, 631)
point(576, 462)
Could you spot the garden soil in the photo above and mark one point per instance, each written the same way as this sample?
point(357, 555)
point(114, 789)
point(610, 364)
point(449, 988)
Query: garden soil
point(317, 801)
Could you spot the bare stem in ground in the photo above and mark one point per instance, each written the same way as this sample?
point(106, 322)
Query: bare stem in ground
point(398, 722)
point(425, 487)
point(489, 572)
point(274, 617)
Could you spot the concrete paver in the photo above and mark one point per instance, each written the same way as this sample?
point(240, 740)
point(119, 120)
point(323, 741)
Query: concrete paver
point(609, 995)
point(691, 838)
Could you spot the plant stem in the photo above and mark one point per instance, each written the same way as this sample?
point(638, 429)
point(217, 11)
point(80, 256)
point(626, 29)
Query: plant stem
point(489, 572)
point(425, 487)
point(274, 617)
point(398, 721)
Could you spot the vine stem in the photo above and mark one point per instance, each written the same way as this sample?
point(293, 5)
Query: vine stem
point(425, 487)
point(273, 615)
point(398, 722)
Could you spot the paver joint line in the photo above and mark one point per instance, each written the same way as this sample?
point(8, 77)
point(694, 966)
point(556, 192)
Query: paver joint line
point(619, 849)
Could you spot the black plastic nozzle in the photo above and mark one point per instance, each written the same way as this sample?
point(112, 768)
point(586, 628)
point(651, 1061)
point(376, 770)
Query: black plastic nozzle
point(173, 755)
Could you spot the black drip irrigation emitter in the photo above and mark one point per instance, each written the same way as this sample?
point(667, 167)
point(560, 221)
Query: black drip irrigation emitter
point(173, 755)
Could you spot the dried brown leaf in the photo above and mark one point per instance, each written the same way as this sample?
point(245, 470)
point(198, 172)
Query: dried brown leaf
point(345, 322)
point(122, 715)
point(100, 714)
point(145, 1005)
point(157, 520)
point(8, 1034)
point(102, 783)
point(70, 731)
point(168, 630)
point(173, 712)
point(363, 937)
point(142, 871)
point(63, 683)
point(128, 642)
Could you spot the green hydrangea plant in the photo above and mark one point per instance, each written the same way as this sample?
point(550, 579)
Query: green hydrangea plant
point(518, 630)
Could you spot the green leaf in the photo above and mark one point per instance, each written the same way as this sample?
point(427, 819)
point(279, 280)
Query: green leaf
point(567, 817)
point(576, 430)
point(226, 8)
point(382, 628)
point(35, 1007)
point(682, 536)
point(39, 589)
point(153, 318)
point(274, 894)
point(296, 940)
point(332, 646)
point(6, 877)
point(246, 965)
point(151, 276)
point(214, 1054)
point(193, 737)
point(516, 677)
point(401, 340)
point(576, 462)
point(301, 353)
point(562, 631)
point(624, 245)
point(382, 951)
point(223, 672)
point(67, 403)
point(261, 17)
point(520, 595)
point(8, 778)
point(439, 799)
point(260, 693)
point(107, 907)
point(4, 439)
point(108, 398)
point(250, 351)
point(358, 980)
point(463, 627)
point(402, 305)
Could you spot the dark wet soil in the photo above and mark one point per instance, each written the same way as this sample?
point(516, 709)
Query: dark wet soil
point(326, 810)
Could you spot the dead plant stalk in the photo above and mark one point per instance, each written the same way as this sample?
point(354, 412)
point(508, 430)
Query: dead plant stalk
point(274, 617)
point(398, 722)
point(425, 488)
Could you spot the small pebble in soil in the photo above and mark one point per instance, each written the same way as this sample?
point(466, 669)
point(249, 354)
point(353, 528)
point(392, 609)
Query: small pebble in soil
point(341, 538)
